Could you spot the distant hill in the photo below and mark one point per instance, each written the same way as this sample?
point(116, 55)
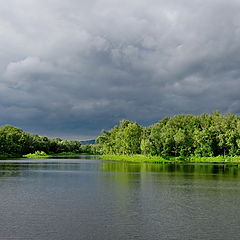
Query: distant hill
point(86, 142)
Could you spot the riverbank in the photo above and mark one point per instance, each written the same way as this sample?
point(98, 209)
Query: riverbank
point(10, 155)
point(45, 155)
point(158, 159)
point(138, 158)
point(134, 158)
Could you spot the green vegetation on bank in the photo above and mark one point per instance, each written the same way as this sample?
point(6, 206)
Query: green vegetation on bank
point(192, 138)
point(135, 158)
point(138, 158)
point(41, 154)
point(37, 154)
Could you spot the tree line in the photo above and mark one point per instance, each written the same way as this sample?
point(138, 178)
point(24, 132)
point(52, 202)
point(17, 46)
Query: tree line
point(202, 135)
point(15, 141)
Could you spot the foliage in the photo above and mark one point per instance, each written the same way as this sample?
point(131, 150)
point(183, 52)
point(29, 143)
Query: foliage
point(205, 135)
point(15, 141)
point(158, 159)
point(123, 139)
point(37, 154)
point(135, 158)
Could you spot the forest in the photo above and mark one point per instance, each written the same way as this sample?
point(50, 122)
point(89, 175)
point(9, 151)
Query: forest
point(15, 141)
point(205, 135)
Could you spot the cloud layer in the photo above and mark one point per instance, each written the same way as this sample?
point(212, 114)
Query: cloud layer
point(72, 68)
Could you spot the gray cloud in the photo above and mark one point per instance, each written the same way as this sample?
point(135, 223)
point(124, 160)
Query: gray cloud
point(72, 68)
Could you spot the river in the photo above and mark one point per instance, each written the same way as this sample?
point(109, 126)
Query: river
point(86, 198)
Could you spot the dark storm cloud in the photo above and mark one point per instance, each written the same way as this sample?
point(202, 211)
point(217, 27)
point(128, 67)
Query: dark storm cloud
point(71, 68)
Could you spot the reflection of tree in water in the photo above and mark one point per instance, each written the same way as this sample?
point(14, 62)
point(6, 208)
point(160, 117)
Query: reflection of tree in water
point(132, 167)
point(123, 182)
point(10, 169)
point(196, 170)
point(14, 169)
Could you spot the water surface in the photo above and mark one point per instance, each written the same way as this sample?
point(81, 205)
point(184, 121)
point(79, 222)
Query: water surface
point(93, 199)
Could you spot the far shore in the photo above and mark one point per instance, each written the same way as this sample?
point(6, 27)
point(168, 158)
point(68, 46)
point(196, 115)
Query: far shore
point(137, 158)
point(39, 155)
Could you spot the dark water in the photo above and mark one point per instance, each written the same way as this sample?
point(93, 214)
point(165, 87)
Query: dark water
point(94, 199)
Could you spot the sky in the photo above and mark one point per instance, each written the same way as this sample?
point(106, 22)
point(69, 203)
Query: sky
point(70, 68)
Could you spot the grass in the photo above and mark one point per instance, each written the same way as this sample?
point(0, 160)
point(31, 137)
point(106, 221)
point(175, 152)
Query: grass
point(41, 154)
point(37, 154)
point(137, 158)
point(158, 159)
point(217, 159)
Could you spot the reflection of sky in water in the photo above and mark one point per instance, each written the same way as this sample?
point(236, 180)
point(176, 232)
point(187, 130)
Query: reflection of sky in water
point(91, 199)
